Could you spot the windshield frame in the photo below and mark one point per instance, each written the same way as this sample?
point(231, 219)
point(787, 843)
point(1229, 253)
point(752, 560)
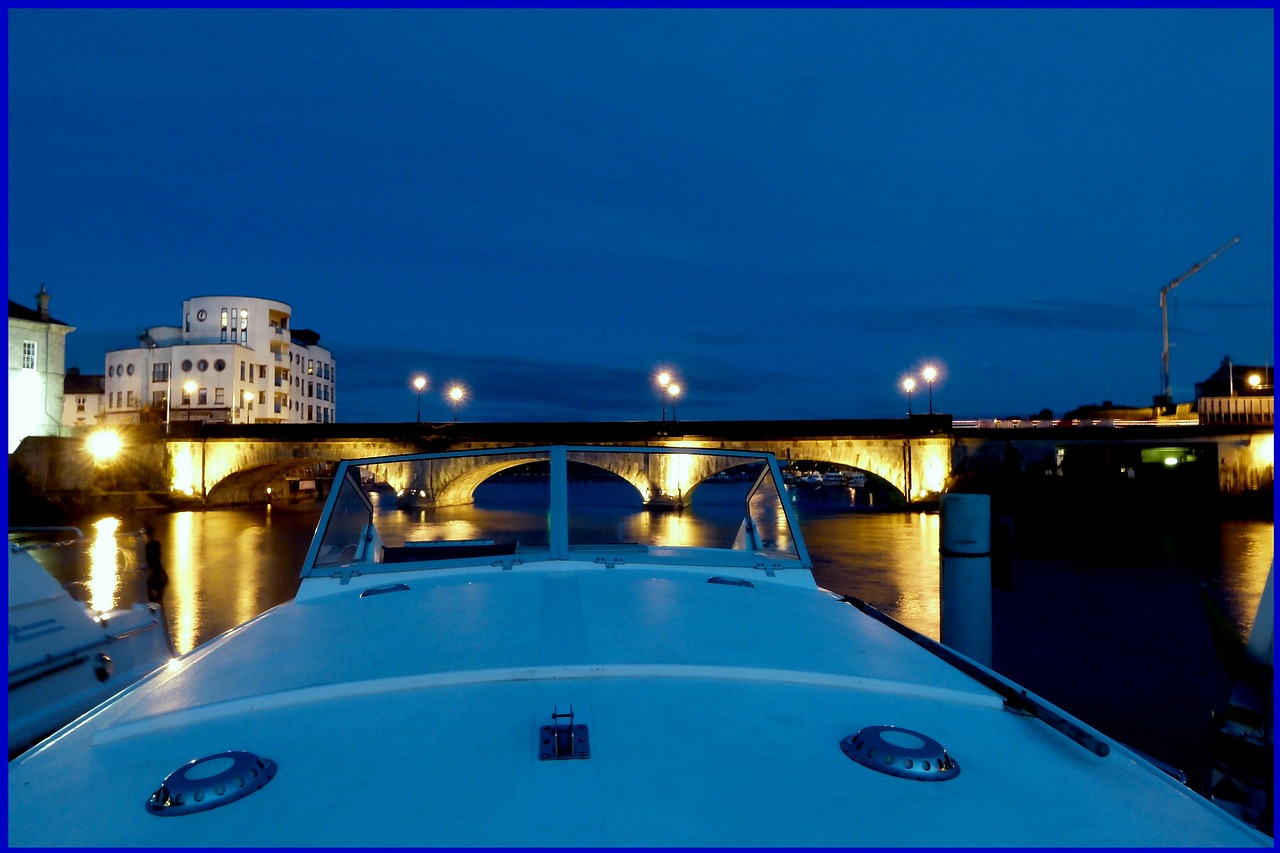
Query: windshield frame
point(347, 541)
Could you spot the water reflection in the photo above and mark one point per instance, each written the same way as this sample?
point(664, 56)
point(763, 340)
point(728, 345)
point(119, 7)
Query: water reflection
point(1248, 550)
point(104, 565)
point(889, 560)
point(227, 566)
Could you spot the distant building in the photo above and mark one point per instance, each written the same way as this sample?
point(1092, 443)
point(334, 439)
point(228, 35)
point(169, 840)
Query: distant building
point(234, 359)
point(84, 398)
point(1237, 394)
point(37, 357)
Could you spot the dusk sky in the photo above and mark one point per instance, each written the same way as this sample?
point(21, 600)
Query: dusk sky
point(792, 209)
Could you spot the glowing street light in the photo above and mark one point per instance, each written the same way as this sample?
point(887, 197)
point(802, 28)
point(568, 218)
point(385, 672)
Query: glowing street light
point(674, 390)
point(908, 385)
point(189, 388)
point(1254, 380)
point(103, 445)
point(664, 381)
point(247, 397)
point(930, 373)
point(456, 395)
point(419, 382)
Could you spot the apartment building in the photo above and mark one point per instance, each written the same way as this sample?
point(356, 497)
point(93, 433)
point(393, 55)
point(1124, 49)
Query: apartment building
point(234, 359)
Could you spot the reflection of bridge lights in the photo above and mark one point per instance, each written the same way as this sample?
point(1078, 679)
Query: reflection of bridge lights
point(104, 571)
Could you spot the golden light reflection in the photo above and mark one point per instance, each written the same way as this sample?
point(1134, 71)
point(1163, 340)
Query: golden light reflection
point(923, 609)
point(184, 470)
point(181, 599)
point(104, 567)
point(1248, 551)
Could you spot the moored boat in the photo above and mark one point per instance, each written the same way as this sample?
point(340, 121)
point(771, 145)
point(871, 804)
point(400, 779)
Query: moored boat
point(64, 657)
point(588, 681)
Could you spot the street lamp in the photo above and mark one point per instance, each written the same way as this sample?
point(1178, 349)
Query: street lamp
point(664, 380)
point(248, 401)
point(419, 382)
point(1254, 380)
point(930, 373)
point(908, 385)
point(189, 388)
point(674, 390)
point(456, 393)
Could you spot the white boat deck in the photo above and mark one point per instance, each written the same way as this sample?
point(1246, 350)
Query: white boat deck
point(413, 717)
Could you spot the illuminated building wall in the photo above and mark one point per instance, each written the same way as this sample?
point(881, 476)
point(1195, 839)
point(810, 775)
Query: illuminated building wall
point(37, 358)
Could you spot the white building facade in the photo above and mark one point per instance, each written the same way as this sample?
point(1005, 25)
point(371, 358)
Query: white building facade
point(234, 359)
point(37, 362)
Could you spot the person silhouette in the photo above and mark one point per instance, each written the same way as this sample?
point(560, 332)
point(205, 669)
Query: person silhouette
point(157, 577)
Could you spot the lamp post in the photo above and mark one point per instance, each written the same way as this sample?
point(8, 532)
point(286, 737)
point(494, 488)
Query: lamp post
point(189, 388)
point(456, 393)
point(930, 373)
point(247, 397)
point(908, 385)
point(674, 390)
point(664, 380)
point(419, 382)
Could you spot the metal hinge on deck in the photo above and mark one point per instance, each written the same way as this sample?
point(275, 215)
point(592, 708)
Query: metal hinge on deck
point(562, 740)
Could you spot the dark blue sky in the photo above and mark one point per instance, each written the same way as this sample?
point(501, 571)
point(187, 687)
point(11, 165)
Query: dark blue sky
point(794, 209)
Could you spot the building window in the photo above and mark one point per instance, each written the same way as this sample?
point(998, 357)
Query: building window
point(203, 364)
point(262, 371)
point(186, 365)
point(224, 324)
point(218, 365)
point(157, 399)
point(79, 404)
point(203, 397)
point(218, 398)
point(311, 365)
point(131, 400)
point(28, 355)
point(160, 372)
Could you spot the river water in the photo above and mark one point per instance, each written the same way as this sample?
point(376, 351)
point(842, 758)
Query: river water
point(1116, 632)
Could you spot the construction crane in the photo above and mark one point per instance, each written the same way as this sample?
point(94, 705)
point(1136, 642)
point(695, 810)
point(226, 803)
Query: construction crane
point(1166, 399)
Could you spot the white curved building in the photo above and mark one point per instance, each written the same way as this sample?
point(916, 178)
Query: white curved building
point(234, 359)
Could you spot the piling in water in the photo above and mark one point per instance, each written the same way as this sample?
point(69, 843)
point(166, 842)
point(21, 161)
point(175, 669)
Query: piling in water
point(965, 585)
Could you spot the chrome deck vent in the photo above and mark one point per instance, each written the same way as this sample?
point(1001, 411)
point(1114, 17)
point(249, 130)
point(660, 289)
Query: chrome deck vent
point(209, 782)
point(902, 753)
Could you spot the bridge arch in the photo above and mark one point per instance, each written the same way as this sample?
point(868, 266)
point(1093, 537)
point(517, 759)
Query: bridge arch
point(666, 478)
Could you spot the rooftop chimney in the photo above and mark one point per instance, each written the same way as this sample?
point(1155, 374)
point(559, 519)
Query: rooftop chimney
point(42, 302)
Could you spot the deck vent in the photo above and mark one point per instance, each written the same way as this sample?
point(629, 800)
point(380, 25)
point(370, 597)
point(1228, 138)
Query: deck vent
point(731, 581)
point(562, 740)
point(209, 782)
point(379, 590)
point(902, 753)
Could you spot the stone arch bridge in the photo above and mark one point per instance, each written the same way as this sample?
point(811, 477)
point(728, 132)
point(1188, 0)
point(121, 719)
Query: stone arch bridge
point(229, 465)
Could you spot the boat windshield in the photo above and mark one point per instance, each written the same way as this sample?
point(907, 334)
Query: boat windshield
point(612, 505)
